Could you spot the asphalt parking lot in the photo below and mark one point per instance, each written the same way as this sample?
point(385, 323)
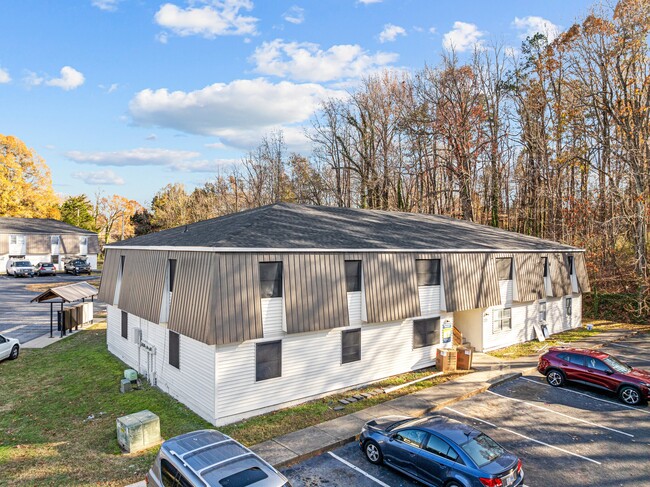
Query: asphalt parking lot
point(24, 320)
point(569, 436)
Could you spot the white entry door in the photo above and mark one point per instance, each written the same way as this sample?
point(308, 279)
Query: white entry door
point(83, 245)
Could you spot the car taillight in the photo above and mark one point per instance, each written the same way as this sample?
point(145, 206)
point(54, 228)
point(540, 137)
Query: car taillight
point(491, 482)
point(519, 465)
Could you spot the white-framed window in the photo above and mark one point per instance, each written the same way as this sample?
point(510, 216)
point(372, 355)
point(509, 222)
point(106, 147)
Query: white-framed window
point(568, 306)
point(268, 360)
point(54, 240)
point(501, 319)
point(504, 269)
point(542, 311)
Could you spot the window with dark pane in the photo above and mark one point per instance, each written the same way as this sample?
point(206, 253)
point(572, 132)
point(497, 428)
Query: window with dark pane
point(271, 279)
point(504, 269)
point(570, 264)
point(353, 275)
point(122, 258)
point(501, 319)
point(426, 332)
point(174, 349)
point(172, 274)
point(268, 360)
point(569, 306)
point(545, 265)
point(428, 271)
point(351, 346)
point(125, 324)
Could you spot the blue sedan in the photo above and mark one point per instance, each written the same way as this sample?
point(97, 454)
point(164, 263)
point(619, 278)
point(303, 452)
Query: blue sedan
point(438, 451)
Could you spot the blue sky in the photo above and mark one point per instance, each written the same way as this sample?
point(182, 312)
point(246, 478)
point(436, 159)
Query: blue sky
point(126, 96)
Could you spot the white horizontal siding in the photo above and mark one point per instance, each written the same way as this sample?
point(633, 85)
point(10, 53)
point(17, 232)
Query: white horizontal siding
point(505, 288)
point(429, 300)
point(523, 319)
point(354, 308)
point(311, 367)
point(272, 317)
point(193, 384)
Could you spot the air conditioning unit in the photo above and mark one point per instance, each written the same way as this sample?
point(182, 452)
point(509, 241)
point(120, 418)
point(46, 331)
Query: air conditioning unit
point(137, 335)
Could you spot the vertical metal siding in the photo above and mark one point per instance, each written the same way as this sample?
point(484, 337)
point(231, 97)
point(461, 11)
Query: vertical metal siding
point(109, 276)
point(470, 281)
point(4, 244)
point(560, 279)
point(191, 308)
point(237, 303)
point(315, 294)
point(391, 286)
point(93, 244)
point(143, 281)
point(529, 274)
point(38, 244)
point(581, 272)
point(70, 244)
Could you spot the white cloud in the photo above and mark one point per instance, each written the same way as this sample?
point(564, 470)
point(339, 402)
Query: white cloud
point(463, 37)
point(368, 2)
point(237, 112)
point(69, 80)
point(106, 177)
point(107, 5)
point(390, 33)
point(214, 18)
point(305, 61)
point(295, 15)
point(432, 30)
point(216, 145)
point(531, 25)
point(4, 76)
point(33, 79)
point(174, 160)
point(133, 157)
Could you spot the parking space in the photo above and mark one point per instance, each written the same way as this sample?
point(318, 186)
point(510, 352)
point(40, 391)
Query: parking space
point(21, 319)
point(568, 436)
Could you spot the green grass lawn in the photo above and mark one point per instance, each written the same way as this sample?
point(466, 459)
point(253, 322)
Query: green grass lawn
point(47, 396)
point(535, 347)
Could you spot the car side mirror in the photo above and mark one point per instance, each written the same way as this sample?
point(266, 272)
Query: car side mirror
point(393, 437)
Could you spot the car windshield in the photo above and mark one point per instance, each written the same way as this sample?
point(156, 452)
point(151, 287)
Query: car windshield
point(482, 449)
point(23, 263)
point(619, 367)
point(400, 423)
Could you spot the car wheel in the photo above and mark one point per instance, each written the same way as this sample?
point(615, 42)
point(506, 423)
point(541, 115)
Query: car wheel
point(629, 395)
point(453, 484)
point(373, 452)
point(555, 378)
point(14, 353)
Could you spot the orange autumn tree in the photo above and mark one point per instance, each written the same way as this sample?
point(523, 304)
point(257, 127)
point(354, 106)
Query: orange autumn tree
point(25, 182)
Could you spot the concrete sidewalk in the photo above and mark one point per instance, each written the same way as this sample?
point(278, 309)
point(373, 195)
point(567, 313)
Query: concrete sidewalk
point(45, 340)
point(303, 444)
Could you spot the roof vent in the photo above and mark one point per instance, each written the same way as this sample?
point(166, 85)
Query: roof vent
point(185, 231)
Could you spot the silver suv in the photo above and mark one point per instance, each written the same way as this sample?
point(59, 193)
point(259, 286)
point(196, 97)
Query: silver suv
point(210, 458)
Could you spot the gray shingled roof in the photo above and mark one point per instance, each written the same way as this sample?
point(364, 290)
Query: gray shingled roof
point(291, 226)
point(39, 225)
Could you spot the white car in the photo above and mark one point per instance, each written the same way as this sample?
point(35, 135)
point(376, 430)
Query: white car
point(9, 348)
point(21, 267)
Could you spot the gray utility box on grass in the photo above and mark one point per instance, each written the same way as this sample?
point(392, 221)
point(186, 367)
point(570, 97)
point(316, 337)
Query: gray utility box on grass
point(138, 431)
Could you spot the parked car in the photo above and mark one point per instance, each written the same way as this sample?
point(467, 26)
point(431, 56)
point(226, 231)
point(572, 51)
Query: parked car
point(208, 457)
point(9, 348)
point(45, 269)
point(438, 451)
point(20, 268)
point(597, 369)
point(77, 266)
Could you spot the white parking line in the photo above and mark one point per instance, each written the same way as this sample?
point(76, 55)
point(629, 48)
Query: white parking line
point(357, 469)
point(526, 437)
point(562, 414)
point(587, 395)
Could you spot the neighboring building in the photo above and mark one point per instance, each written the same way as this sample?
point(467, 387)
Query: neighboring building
point(258, 310)
point(45, 240)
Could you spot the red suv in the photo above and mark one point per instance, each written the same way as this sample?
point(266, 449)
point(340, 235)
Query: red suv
point(596, 369)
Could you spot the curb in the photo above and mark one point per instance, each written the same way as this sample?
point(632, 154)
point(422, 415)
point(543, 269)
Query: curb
point(501, 379)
